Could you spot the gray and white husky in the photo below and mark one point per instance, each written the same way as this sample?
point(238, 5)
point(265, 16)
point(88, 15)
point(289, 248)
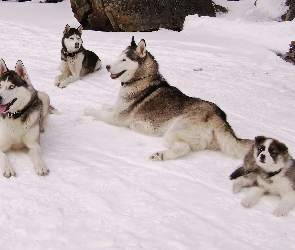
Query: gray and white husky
point(76, 61)
point(268, 168)
point(148, 104)
point(23, 111)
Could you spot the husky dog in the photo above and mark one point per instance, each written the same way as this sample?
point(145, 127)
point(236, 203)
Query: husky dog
point(267, 168)
point(22, 114)
point(148, 104)
point(75, 60)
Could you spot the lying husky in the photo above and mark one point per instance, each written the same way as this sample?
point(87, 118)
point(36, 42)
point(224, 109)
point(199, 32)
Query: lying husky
point(22, 114)
point(267, 168)
point(75, 60)
point(149, 105)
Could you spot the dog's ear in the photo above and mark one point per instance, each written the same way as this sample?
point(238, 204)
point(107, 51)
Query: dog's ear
point(21, 71)
point(141, 49)
point(67, 29)
point(259, 139)
point(3, 67)
point(281, 147)
point(80, 28)
point(133, 43)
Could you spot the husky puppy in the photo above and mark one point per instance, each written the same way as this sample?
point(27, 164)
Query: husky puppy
point(267, 168)
point(148, 104)
point(22, 113)
point(75, 60)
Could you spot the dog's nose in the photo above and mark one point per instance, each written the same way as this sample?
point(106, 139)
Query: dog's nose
point(108, 67)
point(262, 158)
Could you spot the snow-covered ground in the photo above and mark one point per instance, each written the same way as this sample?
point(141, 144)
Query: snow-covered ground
point(102, 191)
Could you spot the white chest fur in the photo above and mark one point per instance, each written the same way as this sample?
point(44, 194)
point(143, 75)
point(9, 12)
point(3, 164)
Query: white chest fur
point(278, 185)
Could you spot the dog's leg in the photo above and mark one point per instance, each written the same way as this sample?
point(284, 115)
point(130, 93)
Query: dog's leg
point(179, 148)
point(252, 196)
point(7, 170)
point(65, 73)
point(108, 107)
point(286, 204)
point(69, 80)
point(241, 182)
point(102, 115)
point(35, 155)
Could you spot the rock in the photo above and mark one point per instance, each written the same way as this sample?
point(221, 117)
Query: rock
point(138, 15)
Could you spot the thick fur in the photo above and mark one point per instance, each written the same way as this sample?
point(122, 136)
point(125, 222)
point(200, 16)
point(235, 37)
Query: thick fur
point(23, 111)
point(148, 104)
point(75, 60)
point(267, 168)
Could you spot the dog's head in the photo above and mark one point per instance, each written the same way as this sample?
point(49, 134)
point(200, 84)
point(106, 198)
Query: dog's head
point(16, 90)
point(270, 154)
point(129, 65)
point(71, 40)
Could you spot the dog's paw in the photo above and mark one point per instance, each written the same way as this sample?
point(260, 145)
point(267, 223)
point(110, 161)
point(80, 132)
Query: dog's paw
point(157, 157)
point(62, 85)
point(237, 187)
point(8, 172)
point(93, 112)
point(281, 211)
point(42, 170)
point(248, 202)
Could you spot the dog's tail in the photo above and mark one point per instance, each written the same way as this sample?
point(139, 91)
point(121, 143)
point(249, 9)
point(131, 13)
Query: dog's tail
point(229, 143)
point(53, 110)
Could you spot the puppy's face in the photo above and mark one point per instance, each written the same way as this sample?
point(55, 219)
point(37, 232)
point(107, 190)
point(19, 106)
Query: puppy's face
point(270, 154)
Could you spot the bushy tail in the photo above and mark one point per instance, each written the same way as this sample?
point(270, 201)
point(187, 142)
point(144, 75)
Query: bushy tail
point(230, 144)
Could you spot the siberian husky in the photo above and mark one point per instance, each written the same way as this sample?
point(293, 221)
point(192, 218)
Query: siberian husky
point(23, 111)
point(75, 60)
point(148, 104)
point(267, 168)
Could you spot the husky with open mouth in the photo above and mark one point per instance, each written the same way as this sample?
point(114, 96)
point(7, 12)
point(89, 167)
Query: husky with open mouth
point(148, 104)
point(76, 61)
point(268, 169)
point(23, 111)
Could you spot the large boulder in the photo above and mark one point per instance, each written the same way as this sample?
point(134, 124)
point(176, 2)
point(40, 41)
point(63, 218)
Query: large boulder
point(138, 15)
point(290, 15)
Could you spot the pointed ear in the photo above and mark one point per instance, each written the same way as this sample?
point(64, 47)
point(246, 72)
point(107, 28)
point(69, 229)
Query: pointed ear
point(141, 49)
point(3, 67)
point(80, 28)
point(67, 29)
point(21, 71)
point(259, 139)
point(133, 44)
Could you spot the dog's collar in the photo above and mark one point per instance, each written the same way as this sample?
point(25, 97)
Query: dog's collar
point(66, 53)
point(19, 113)
point(271, 174)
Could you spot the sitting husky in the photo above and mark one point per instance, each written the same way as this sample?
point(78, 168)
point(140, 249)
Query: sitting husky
point(267, 168)
point(75, 60)
point(149, 105)
point(22, 114)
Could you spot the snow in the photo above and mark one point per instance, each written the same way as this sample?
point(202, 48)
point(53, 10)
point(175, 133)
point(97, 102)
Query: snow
point(102, 191)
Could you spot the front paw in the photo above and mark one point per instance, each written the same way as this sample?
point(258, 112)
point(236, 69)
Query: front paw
point(158, 156)
point(8, 172)
point(92, 112)
point(42, 170)
point(62, 84)
point(248, 202)
point(237, 187)
point(281, 211)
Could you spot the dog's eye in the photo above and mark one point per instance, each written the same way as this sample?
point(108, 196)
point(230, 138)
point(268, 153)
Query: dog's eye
point(272, 151)
point(72, 38)
point(11, 87)
point(261, 148)
point(124, 60)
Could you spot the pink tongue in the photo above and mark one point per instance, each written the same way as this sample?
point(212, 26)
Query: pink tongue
point(2, 108)
point(113, 76)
